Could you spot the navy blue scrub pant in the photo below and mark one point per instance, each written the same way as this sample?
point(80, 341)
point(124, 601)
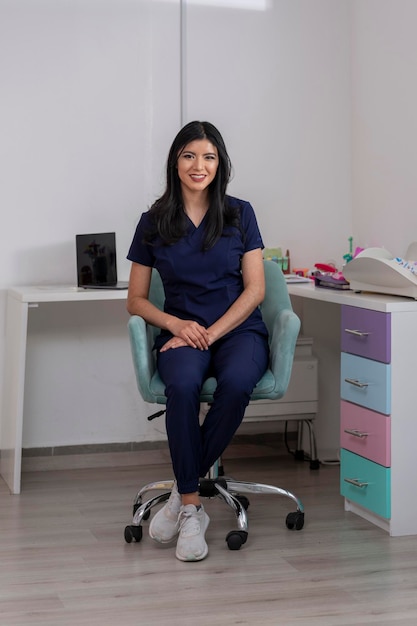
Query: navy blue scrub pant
point(237, 361)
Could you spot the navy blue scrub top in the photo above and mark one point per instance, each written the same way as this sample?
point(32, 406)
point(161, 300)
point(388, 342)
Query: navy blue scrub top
point(201, 285)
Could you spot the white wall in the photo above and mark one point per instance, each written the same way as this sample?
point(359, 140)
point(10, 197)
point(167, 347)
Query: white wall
point(89, 102)
point(277, 83)
point(384, 123)
point(91, 99)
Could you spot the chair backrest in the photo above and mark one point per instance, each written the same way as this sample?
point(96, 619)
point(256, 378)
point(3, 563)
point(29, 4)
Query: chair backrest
point(276, 294)
point(157, 297)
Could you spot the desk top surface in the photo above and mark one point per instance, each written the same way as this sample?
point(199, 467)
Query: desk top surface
point(63, 293)
point(71, 293)
point(374, 301)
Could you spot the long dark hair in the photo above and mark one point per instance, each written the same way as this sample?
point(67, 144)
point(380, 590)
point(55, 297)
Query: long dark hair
point(167, 212)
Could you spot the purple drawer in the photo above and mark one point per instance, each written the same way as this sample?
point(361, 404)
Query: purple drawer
point(366, 333)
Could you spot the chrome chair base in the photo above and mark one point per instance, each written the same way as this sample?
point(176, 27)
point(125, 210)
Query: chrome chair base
point(228, 490)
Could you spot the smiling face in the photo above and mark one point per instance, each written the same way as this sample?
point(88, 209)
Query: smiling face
point(197, 165)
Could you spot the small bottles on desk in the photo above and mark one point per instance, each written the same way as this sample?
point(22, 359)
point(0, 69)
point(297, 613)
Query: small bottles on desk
point(275, 255)
point(286, 266)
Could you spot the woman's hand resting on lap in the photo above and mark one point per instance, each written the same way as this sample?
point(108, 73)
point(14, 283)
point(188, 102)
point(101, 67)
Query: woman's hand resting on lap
point(187, 333)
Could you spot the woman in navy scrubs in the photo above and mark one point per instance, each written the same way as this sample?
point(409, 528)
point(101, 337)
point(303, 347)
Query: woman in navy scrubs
point(207, 247)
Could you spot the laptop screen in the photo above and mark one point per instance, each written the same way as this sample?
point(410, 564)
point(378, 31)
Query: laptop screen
point(96, 259)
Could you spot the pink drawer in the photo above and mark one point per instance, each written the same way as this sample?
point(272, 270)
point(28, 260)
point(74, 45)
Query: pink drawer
point(365, 432)
point(366, 333)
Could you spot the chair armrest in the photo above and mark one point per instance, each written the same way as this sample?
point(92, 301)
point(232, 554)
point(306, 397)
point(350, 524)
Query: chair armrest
point(283, 340)
point(143, 358)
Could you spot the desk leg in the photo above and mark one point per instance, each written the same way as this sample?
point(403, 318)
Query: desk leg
point(321, 321)
point(14, 386)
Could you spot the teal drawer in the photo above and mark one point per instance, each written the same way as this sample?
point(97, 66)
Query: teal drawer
point(366, 382)
point(370, 486)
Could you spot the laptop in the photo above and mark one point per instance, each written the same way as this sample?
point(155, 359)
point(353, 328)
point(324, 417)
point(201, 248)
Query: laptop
point(96, 261)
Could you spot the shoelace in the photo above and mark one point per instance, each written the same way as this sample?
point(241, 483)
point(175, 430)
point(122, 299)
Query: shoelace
point(189, 523)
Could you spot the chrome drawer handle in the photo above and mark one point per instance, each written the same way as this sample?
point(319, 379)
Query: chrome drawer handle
point(355, 433)
point(355, 482)
point(357, 333)
point(356, 383)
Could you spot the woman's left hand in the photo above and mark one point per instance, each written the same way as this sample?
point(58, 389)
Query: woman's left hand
point(174, 342)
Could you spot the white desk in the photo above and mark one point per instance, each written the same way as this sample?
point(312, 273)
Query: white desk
point(314, 302)
point(19, 302)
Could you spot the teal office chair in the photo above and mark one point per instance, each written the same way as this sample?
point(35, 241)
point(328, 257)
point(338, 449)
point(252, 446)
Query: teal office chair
point(283, 327)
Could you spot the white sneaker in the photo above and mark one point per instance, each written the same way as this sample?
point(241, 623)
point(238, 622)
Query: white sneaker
point(164, 525)
point(191, 544)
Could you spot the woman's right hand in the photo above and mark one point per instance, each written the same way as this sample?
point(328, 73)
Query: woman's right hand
point(191, 332)
point(138, 303)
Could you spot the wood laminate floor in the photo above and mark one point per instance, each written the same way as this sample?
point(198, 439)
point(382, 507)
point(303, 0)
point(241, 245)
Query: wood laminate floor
point(64, 562)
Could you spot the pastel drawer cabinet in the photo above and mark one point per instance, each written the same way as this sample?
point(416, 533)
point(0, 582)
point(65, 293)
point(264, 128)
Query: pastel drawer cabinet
point(365, 476)
point(381, 328)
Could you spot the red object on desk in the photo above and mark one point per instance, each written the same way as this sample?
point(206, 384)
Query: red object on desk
point(325, 267)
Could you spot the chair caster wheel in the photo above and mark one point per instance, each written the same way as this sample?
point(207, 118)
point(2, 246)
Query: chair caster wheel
point(243, 501)
point(295, 521)
point(314, 464)
point(236, 538)
point(133, 533)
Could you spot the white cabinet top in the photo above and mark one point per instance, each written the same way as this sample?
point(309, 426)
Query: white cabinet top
point(373, 301)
